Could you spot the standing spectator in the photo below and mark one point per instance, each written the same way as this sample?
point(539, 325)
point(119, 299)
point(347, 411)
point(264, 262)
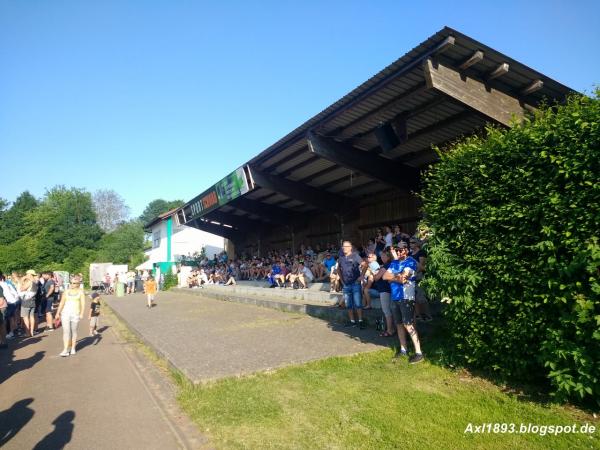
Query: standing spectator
point(421, 306)
point(28, 292)
point(70, 311)
point(389, 237)
point(12, 299)
point(150, 289)
point(379, 242)
point(383, 287)
point(130, 277)
point(48, 290)
point(3, 307)
point(107, 283)
point(349, 272)
point(401, 276)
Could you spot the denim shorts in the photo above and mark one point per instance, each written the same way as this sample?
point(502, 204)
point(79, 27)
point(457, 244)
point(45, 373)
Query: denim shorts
point(11, 308)
point(352, 295)
point(403, 311)
point(47, 305)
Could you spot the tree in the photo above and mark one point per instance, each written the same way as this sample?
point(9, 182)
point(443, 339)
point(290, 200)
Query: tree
point(110, 209)
point(125, 245)
point(63, 221)
point(157, 207)
point(11, 226)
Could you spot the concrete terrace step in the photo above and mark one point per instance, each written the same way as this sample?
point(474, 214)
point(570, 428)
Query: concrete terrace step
point(316, 301)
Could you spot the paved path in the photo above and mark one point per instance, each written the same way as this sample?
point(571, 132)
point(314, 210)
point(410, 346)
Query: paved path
point(208, 339)
point(105, 397)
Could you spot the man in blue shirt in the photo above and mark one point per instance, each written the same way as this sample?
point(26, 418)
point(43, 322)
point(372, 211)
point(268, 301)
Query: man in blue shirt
point(349, 272)
point(401, 275)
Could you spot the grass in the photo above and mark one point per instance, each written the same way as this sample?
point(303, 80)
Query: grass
point(368, 402)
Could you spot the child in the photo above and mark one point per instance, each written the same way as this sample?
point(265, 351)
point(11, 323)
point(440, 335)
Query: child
point(150, 290)
point(94, 314)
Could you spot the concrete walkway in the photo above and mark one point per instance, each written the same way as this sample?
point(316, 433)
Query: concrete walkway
point(105, 397)
point(208, 339)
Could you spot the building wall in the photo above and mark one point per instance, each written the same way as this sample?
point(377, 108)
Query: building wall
point(184, 241)
point(357, 226)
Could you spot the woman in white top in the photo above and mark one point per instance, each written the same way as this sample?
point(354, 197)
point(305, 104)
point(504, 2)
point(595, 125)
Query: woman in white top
point(70, 310)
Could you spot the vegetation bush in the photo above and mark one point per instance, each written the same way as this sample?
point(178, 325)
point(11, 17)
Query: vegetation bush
point(514, 248)
point(170, 281)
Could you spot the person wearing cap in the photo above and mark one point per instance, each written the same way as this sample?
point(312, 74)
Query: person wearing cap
point(401, 275)
point(94, 315)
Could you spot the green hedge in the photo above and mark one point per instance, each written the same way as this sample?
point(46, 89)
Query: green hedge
point(514, 248)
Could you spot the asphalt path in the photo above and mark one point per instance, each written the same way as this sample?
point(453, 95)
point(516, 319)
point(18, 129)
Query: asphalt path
point(104, 397)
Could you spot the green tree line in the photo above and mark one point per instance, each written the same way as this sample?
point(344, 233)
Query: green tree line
point(61, 232)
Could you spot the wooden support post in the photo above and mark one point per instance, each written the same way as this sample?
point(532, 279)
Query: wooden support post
point(533, 87)
point(472, 60)
point(502, 69)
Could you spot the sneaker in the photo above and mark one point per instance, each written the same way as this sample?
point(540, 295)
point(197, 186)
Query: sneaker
point(50, 329)
point(10, 335)
point(73, 351)
point(416, 358)
point(350, 324)
point(400, 354)
point(64, 353)
point(362, 325)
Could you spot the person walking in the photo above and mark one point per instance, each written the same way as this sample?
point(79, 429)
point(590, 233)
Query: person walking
point(150, 289)
point(70, 311)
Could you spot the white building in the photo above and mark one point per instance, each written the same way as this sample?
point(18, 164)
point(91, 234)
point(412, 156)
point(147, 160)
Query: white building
point(172, 241)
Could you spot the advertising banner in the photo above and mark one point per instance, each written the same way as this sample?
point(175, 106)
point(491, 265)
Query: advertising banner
point(231, 187)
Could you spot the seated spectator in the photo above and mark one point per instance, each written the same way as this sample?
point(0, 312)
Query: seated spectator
point(305, 276)
point(281, 276)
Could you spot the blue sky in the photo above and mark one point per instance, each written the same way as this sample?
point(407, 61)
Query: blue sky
point(160, 99)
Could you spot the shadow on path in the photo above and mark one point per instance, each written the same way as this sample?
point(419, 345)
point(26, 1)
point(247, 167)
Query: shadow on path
point(13, 419)
point(61, 435)
point(10, 365)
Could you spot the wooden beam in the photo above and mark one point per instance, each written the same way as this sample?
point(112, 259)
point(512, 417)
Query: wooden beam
point(299, 166)
point(475, 94)
point(318, 174)
point(242, 223)
point(502, 69)
point(219, 230)
point(533, 87)
point(374, 166)
point(265, 211)
point(445, 45)
point(286, 159)
point(476, 57)
point(318, 198)
point(379, 113)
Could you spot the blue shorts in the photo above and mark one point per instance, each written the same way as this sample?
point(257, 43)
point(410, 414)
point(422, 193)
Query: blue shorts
point(10, 310)
point(352, 295)
point(47, 305)
point(374, 293)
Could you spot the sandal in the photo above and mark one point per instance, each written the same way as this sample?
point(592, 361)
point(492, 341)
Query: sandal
point(385, 334)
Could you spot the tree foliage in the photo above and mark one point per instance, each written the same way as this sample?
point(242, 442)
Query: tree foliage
point(515, 249)
point(60, 232)
point(158, 206)
point(11, 225)
point(110, 209)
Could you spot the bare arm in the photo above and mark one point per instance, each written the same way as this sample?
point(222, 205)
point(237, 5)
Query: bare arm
point(61, 304)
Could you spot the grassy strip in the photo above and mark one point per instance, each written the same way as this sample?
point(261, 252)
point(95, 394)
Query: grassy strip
point(364, 401)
